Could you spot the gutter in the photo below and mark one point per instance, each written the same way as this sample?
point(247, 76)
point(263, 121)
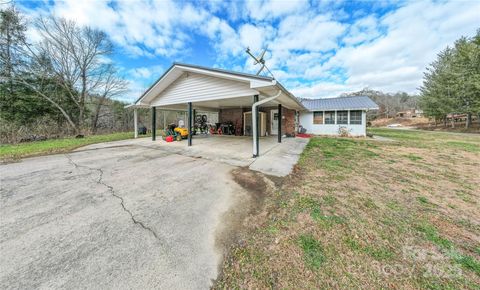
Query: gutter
point(254, 121)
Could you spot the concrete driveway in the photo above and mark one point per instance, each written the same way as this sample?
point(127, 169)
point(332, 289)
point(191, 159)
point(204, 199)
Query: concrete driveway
point(128, 214)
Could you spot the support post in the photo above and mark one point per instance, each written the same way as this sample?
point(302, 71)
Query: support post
point(135, 122)
point(164, 120)
point(154, 123)
point(257, 133)
point(194, 115)
point(279, 123)
point(190, 119)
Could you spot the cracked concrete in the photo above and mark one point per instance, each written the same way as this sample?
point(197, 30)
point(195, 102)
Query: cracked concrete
point(120, 217)
point(110, 188)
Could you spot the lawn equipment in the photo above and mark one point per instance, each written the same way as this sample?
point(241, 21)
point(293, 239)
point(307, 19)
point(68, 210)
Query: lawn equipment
point(215, 129)
point(200, 126)
point(175, 132)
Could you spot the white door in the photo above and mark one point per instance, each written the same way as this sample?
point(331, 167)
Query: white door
point(274, 122)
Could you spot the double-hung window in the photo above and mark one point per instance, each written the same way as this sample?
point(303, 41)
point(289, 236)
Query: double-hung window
point(356, 117)
point(342, 117)
point(329, 117)
point(318, 118)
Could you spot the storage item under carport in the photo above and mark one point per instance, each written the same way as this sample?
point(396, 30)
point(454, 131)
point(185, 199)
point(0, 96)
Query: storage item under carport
point(247, 123)
point(142, 130)
point(176, 133)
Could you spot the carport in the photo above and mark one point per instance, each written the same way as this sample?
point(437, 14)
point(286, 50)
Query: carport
point(191, 88)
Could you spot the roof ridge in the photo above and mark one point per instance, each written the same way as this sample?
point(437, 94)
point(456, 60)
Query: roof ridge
point(222, 70)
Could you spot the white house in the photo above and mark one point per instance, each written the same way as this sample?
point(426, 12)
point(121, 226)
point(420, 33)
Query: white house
point(334, 116)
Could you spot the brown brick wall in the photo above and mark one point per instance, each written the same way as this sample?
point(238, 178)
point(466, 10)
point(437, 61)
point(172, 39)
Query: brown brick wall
point(288, 120)
point(232, 115)
point(288, 124)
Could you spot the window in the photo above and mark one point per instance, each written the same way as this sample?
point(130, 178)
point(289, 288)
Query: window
point(355, 117)
point(342, 117)
point(317, 117)
point(330, 117)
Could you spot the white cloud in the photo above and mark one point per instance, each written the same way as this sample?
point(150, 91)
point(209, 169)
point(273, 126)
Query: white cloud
point(396, 60)
point(146, 72)
point(316, 48)
point(322, 89)
point(261, 10)
point(299, 32)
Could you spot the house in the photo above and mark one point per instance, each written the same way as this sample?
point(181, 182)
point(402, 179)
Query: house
point(257, 106)
point(336, 116)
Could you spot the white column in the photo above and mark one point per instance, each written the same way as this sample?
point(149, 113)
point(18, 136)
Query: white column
point(164, 112)
point(135, 122)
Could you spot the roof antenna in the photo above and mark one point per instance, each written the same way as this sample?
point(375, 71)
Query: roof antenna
point(259, 60)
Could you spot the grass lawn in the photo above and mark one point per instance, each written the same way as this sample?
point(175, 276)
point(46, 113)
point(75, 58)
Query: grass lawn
point(359, 213)
point(11, 152)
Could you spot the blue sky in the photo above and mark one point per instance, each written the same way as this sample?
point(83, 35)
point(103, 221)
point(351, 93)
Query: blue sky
point(315, 48)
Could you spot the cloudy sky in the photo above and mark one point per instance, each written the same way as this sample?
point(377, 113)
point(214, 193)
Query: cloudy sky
point(315, 48)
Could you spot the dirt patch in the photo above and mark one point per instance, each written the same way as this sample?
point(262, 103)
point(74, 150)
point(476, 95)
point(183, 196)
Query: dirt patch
point(246, 210)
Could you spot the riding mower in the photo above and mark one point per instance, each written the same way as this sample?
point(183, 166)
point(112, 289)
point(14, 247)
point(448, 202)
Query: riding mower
point(175, 132)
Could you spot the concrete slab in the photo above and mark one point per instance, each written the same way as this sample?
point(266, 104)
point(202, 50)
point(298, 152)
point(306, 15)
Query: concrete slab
point(119, 218)
point(275, 158)
point(279, 161)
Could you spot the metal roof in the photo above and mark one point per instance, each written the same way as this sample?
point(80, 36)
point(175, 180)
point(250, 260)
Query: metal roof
point(341, 103)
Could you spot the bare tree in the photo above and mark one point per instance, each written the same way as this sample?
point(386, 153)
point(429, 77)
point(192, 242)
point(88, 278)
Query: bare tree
point(77, 60)
point(112, 86)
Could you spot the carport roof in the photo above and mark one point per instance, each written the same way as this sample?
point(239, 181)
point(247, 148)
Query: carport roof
point(259, 83)
point(341, 103)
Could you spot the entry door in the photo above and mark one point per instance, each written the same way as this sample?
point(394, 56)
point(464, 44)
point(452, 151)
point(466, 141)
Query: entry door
point(274, 122)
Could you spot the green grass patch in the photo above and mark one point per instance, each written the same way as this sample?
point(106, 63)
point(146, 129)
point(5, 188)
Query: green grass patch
point(378, 253)
point(336, 154)
point(21, 150)
point(466, 261)
point(423, 199)
point(432, 235)
point(313, 252)
point(413, 157)
point(329, 200)
point(326, 220)
point(465, 146)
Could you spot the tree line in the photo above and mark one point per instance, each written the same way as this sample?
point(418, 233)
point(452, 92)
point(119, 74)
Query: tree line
point(451, 84)
point(389, 103)
point(66, 78)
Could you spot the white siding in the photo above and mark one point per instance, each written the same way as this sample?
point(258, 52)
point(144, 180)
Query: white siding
point(306, 120)
point(191, 87)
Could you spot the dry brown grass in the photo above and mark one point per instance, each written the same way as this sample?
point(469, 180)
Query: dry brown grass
point(401, 215)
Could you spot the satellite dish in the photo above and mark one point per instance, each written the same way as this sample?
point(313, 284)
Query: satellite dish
point(259, 60)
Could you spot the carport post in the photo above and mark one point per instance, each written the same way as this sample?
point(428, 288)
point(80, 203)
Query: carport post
point(279, 123)
point(154, 123)
point(135, 122)
point(257, 133)
point(190, 119)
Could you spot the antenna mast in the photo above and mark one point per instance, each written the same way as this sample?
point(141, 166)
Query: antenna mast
point(259, 60)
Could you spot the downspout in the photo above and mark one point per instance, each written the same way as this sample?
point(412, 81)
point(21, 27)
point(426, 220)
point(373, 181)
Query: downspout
point(254, 120)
